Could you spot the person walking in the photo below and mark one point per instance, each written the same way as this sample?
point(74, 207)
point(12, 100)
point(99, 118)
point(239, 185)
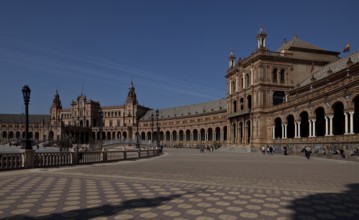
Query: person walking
point(307, 151)
point(263, 150)
point(285, 150)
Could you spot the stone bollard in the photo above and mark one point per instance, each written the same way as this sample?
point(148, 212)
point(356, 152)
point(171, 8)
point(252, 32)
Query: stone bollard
point(28, 160)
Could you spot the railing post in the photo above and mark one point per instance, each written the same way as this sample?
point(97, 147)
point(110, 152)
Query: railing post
point(28, 161)
point(104, 156)
point(124, 155)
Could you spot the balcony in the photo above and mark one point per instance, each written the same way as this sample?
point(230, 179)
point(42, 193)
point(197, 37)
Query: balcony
point(239, 113)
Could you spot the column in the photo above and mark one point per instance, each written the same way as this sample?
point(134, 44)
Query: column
point(331, 125)
point(295, 130)
point(206, 136)
point(299, 136)
point(171, 137)
point(222, 136)
point(314, 128)
point(252, 76)
point(282, 130)
point(191, 136)
point(326, 126)
point(214, 136)
point(285, 131)
point(351, 123)
point(199, 136)
point(230, 87)
point(346, 123)
point(273, 131)
point(244, 80)
point(310, 127)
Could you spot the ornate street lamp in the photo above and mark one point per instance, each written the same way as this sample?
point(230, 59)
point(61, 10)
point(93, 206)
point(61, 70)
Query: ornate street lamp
point(152, 118)
point(158, 130)
point(100, 125)
point(26, 94)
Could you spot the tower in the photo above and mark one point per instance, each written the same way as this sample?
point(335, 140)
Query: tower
point(261, 38)
point(55, 110)
point(231, 60)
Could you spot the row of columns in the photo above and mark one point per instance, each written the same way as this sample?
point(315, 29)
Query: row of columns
point(349, 117)
point(243, 83)
point(206, 136)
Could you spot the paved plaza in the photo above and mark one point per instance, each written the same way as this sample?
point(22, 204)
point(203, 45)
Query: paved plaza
point(186, 184)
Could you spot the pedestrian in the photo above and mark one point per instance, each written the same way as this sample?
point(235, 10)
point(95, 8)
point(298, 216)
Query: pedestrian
point(271, 150)
point(341, 152)
point(307, 151)
point(267, 149)
point(263, 150)
point(285, 150)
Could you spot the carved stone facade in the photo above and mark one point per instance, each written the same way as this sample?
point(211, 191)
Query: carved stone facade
point(298, 94)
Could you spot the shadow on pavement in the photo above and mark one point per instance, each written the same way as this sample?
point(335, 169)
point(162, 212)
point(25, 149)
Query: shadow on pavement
point(328, 205)
point(103, 210)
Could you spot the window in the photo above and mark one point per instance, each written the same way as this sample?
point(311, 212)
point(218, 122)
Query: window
point(274, 75)
point(278, 97)
point(282, 80)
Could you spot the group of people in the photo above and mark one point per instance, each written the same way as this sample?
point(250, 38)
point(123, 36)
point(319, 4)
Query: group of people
point(268, 150)
point(209, 148)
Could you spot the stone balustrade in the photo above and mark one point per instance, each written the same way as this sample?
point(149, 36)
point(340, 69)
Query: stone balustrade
point(31, 159)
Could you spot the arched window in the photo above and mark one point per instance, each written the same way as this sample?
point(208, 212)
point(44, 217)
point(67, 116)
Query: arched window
point(249, 102)
point(290, 126)
point(274, 75)
point(210, 136)
point(319, 122)
point(304, 124)
point(339, 119)
point(282, 77)
point(195, 135)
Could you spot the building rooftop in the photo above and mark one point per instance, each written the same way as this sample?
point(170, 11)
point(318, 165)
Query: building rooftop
point(187, 110)
point(332, 68)
point(20, 118)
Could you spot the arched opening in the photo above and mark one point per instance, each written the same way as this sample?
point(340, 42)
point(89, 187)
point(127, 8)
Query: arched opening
point(143, 136)
point(161, 135)
point(4, 134)
point(17, 134)
point(304, 124)
point(98, 135)
point(339, 119)
point(37, 135)
point(218, 134)
point(174, 136)
point(274, 75)
point(114, 135)
point(203, 134)
point(278, 128)
point(181, 135)
point(290, 126)
point(281, 75)
point(188, 135)
point(119, 135)
point(11, 135)
point(248, 132)
point(195, 135)
point(234, 106)
point(356, 115)
point(249, 102)
point(168, 136)
point(108, 135)
point(210, 134)
point(319, 122)
point(124, 135)
point(51, 135)
point(149, 136)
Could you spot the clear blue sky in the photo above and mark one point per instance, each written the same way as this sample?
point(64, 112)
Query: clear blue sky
point(175, 51)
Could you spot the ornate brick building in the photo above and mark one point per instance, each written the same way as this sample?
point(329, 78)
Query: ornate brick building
point(298, 94)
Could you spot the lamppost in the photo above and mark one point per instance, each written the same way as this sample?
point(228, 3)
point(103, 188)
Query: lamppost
point(158, 130)
point(26, 94)
point(100, 124)
point(152, 118)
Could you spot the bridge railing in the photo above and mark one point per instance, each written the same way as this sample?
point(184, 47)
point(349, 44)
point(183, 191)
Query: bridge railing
point(31, 159)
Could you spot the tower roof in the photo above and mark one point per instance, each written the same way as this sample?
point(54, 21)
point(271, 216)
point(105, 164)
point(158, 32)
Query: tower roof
point(295, 42)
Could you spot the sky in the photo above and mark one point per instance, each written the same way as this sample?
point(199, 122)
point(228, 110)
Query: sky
point(175, 51)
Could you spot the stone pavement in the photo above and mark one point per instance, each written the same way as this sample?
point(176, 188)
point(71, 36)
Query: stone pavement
point(186, 184)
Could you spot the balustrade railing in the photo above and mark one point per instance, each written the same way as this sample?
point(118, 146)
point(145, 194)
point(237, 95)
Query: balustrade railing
point(9, 161)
